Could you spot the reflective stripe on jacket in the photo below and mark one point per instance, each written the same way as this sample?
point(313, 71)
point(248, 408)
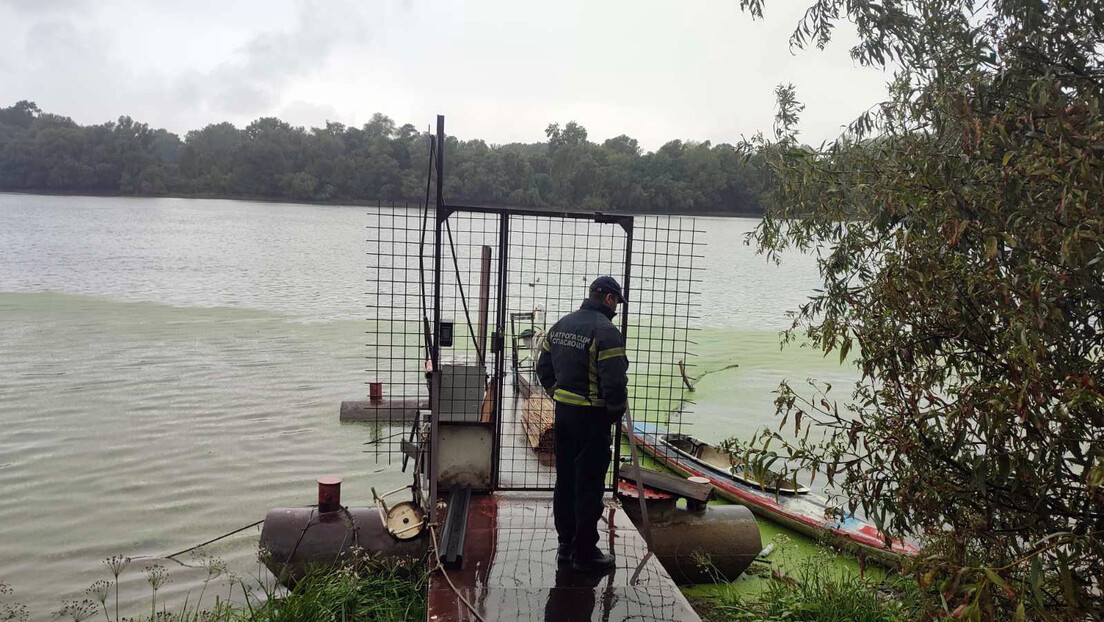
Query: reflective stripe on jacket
point(583, 360)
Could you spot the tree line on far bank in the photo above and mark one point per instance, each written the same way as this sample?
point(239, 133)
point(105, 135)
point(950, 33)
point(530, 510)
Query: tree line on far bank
point(271, 159)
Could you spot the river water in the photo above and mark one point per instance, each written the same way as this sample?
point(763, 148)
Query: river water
point(172, 368)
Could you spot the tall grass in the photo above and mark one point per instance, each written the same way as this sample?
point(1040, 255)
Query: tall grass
point(816, 596)
point(380, 593)
point(362, 589)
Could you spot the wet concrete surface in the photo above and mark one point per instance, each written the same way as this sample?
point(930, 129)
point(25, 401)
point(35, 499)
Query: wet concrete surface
point(510, 570)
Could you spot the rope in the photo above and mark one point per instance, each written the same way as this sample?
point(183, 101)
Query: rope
point(213, 540)
point(351, 525)
point(303, 532)
point(441, 567)
point(691, 382)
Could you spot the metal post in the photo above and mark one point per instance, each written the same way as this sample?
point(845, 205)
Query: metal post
point(628, 227)
point(440, 160)
point(435, 378)
point(437, 243)
point(434, 437)
point(498, 342)
point(329, 494)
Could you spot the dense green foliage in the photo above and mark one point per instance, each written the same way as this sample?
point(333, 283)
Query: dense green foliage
point(960, 235)
point(378, 161)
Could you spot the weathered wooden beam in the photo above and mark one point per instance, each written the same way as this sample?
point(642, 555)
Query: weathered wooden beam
point(669, 483)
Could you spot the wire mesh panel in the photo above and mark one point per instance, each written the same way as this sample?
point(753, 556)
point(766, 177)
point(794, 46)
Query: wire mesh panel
point(662, 315)
point(400, 262)
point(468, 311)
point(551, 262)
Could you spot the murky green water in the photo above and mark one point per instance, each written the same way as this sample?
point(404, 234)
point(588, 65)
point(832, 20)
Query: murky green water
point(171, 369)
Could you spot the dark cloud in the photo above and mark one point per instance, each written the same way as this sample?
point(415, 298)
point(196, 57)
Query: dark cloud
point(501, 69)
point(64, 64)
point(72, 67)
point(254, 80)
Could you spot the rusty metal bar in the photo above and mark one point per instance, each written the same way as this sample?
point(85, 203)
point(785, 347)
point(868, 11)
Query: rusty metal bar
point(498, 341)
point(484, 303)
point(629, 228)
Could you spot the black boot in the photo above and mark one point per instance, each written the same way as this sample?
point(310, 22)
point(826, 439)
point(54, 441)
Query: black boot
point(594, 562)
point(563, 554)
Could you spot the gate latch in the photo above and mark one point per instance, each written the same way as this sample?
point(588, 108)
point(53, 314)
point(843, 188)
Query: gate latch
point(496, 341)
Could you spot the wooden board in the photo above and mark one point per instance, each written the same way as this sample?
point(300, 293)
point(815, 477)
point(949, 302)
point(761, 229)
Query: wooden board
point(668, 483)
point(538, 418)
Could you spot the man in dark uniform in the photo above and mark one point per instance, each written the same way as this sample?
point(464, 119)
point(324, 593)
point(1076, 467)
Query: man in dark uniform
point(583, 366)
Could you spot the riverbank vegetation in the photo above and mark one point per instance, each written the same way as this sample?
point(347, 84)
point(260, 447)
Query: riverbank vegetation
point(270, 159)
point(815, 595)
point(958, 231)
point(11, 610)
point(363, 588)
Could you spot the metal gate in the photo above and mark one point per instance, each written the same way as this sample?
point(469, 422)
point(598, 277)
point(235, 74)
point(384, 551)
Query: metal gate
point(503, 274)
point(460, 290)
point(552, 261)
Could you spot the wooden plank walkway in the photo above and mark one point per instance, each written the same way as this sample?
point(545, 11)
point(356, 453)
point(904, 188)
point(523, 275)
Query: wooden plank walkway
point(510, 570)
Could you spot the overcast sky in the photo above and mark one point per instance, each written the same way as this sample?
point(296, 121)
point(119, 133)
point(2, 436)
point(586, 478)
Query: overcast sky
point(498, 70)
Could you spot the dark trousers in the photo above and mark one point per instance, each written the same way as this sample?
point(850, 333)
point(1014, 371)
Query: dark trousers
point(583, 439)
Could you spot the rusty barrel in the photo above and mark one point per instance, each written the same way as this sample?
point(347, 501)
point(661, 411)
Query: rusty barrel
point(295, 539)
point(717, 544)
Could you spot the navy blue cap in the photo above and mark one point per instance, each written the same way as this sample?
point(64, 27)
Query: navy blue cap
point(607, 285)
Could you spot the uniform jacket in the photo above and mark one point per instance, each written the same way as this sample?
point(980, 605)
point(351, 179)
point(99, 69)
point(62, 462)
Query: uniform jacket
point(583, 361)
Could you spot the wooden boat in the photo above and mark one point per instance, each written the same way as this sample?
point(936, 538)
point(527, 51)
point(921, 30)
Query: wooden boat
point(694, 450)
point(797, 509)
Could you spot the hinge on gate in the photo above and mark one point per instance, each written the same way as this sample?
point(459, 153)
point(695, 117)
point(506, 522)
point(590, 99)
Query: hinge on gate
point(626, 222)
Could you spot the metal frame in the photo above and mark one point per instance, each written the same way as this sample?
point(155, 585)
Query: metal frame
point(653, 250)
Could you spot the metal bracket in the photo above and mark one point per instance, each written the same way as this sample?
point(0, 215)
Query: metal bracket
point(456, 528)
point(626, 222)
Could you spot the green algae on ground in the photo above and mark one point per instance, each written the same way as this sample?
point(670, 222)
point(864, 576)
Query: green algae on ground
point(791, 552)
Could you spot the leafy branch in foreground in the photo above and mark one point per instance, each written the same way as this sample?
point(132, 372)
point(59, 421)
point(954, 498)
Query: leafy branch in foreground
point(959, 233)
